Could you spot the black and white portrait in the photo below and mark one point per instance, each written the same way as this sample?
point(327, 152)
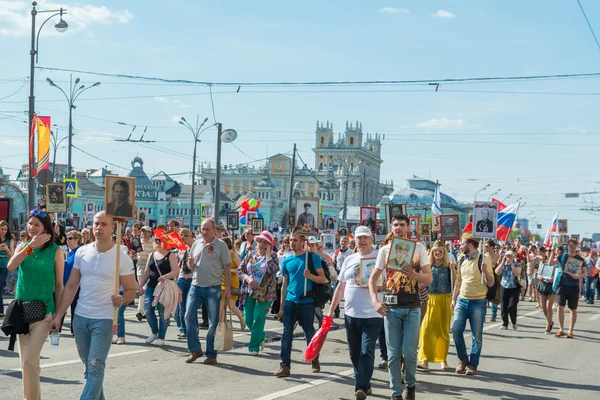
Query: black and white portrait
point(425, 230)
point(258, 225)
point(485, 219)
point(450, 227)
point(368, 218)
point(291, 220)
point(119, 197)
point(413, 227)
point(435, 222)
point(142, 216)
point(575, 237)
point(343, 231)
point(330, 223)
point(393, 209)
point(56, 199)
point(352, 227)
point(233, 220)
point(381, 227)
point(329, 243)
point(307, 211)
point(563, 226)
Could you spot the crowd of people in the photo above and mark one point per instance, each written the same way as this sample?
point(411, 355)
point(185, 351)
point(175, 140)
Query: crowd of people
point(411, 309)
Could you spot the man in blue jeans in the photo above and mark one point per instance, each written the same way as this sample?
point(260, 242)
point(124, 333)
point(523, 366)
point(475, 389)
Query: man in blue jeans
point(209, 260)
point(469, 303)
point(401, 305)
point(94, 274)
point(363, 323)
point(295, 307)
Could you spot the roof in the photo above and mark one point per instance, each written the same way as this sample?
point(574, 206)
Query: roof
point(89, 188)
point(199, 191)
point(137, 172)
point(162, 176)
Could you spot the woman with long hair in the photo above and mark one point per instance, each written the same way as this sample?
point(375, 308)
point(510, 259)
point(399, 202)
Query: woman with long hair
point(258, 272)
point(162, 265)
point(235, 285)
point(434, 338)
point(41, 263)
point(7, 248)
point(548, 297)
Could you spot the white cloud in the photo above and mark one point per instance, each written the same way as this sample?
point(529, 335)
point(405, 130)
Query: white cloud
point(161, 99)
point(175, 118)
point(13, 142)
point(185, 106)
point(15, 17)
point(393, 10)
point(443, 14)
point(444, 123)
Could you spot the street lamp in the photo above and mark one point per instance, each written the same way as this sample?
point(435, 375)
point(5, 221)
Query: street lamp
point(55, 144)
point(196, 133)
point(481, 190)
point(226, 136)
point(493, 194)
point(74, 93)
point(60, 26)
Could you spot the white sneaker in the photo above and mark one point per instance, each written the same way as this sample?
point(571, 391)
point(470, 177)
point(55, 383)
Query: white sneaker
point(159, 342)
point(151, 338)
point(253, 353)
point(503, 328)
point(515, 327)
point(262, 346)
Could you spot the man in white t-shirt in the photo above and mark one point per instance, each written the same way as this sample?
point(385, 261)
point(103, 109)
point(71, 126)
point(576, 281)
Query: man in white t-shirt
point(363, 323)
point(94, 273)
point(401, 307)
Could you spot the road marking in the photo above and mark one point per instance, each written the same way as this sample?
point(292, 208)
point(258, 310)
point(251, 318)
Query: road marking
point(308, 385)
point(529, 314)
point(595, 317)
point(69, 362)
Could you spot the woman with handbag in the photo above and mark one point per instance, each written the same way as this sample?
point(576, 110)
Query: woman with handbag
point(510, 288)
point(235, 286)
point(162, 265)
point(258, 273)
point(40, 281)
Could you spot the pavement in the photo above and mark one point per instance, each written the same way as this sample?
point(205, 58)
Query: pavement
point(523, 364)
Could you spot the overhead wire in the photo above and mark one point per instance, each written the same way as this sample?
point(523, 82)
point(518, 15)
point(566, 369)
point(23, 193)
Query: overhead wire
point(588, 24)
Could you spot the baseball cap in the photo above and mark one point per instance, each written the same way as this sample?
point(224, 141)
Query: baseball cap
point(146, 228)
point(509, 253)
point(362, 231)
point(313, 240)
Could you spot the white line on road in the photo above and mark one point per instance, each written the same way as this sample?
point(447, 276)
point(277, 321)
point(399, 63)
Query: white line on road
point(61, 363)
point(595, 317)
point(308, 385)
point(529, 314)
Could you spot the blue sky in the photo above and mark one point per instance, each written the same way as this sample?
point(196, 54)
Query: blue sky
point(538, 146)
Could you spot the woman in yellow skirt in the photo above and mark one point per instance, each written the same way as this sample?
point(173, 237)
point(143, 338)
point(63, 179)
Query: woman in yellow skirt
point(434, 339)
point(235, 285)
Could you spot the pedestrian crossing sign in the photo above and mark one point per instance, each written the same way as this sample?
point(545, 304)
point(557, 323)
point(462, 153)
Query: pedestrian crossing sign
point(71, 187)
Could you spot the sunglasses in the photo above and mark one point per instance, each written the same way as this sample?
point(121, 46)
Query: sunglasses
point(39, 213)
point(71, 238)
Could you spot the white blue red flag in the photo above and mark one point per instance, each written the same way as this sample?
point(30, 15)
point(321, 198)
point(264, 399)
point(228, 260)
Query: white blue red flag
point(436, 205)
point(553, 229)
point(506, 219)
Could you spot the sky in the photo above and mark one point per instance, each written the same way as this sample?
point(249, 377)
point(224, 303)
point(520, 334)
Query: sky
point(534, 139)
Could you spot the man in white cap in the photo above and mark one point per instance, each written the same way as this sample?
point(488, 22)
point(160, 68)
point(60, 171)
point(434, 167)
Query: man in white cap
point(363, 323)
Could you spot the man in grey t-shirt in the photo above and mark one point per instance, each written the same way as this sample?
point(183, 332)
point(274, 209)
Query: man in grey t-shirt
point(209, 261)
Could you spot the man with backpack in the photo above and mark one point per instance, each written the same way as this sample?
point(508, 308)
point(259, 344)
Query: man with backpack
point(295, 306)
point(469, 302)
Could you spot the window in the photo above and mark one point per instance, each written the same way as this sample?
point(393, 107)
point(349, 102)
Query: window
point(320, 166)
point(162, 211)
point(351, 141)
point(322, 140)
point(353, 185)
point(204, 182)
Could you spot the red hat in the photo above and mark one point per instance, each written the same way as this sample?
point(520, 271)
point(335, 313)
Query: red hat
point(265, 235)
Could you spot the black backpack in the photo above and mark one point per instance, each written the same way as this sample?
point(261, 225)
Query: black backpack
point(493, 290)
point(321, 293)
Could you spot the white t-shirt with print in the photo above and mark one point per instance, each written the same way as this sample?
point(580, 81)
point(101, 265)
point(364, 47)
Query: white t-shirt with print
point(98, 280)
point(356, 294)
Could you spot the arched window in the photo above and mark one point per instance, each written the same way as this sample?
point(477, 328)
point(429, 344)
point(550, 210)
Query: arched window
point(321, 166)
point(322, 140)
point(351, 141)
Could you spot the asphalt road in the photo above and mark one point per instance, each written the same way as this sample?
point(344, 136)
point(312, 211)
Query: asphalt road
point(523, 365)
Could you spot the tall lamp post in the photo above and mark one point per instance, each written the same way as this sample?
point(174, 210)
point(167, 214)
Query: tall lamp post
point(74, 93)
point(60, 26)
point(196, 133)
point(493, 194)
point(226, 136)
point(481, 190)
point(55, 144)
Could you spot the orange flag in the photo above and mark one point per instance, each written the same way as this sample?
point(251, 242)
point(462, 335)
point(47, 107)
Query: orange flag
point(43, 130)
point(170, 240)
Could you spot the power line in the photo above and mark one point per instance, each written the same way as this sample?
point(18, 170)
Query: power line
point(335, 83)
point(588, 24)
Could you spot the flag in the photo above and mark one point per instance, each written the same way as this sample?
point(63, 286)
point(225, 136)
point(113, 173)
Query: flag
point(436, 205)
point(553, 228)
point(506, 218)
point(31, 146)
point(501, 205)
point(43, 131)
point(170, 240)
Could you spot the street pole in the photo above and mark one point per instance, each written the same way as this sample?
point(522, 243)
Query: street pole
point(70, 127)
point(218, 180)
point(292, 183)
point(31, 179)
point(193, 184)
point(346, 192)
point(363, 187)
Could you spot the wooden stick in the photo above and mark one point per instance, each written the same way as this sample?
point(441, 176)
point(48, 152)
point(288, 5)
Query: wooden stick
point(117, 276)
point(305, 268)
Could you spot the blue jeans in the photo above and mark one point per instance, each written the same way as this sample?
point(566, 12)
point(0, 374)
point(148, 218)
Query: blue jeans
point(93, 338)
point(211, 296)
point(402, 337)
point(589, 288)
point(304, 314)
point(156, 326)
point(121, 319)
point(362, 334)
point(3, 276)
point(474, 311)
point(494, 310)
point(184, 284)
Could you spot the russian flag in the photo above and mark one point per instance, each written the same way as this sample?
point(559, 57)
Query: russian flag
point(553, 228)
point(506, 218)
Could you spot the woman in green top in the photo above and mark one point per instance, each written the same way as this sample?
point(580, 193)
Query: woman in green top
point(40, 278)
